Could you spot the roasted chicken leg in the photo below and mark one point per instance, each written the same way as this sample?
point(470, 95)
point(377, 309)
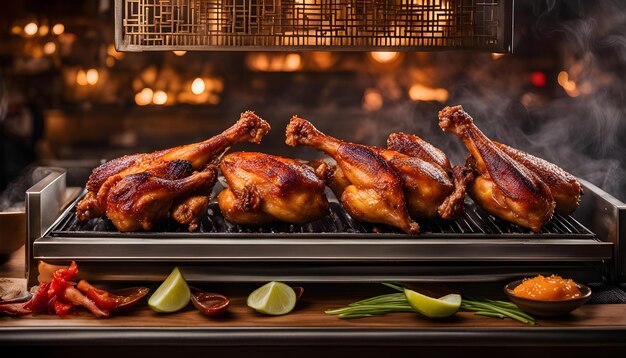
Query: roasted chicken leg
point(563, 185)
point(415, 146)
point(265, 188)
point(426, 185)
point(172, 166)
point(503, 187)
point(375, 193)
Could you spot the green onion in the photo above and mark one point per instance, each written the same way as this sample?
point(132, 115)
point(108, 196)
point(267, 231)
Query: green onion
point(396, 302)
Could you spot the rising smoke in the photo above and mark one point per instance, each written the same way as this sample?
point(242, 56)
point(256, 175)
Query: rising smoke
point(583, 131)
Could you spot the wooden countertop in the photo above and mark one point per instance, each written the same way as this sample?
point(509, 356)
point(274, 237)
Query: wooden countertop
point(590, 325)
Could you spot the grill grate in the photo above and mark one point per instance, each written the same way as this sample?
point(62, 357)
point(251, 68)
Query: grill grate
point(313, 24)
point(474, 223)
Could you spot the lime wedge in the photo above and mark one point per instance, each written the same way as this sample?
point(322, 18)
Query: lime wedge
point(433, 307)
point(173, 294)
point(273, 298)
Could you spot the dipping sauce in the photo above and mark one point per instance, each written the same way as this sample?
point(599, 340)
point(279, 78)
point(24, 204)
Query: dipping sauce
point(553, 288)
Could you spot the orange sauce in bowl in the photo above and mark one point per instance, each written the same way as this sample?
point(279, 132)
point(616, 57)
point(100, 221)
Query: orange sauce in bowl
point(553, 288)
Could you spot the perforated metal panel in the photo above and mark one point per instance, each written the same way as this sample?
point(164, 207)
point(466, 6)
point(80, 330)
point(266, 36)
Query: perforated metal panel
point(358, 25)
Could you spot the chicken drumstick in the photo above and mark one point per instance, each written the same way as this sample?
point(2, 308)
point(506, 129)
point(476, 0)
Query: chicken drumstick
point(171, 165)
point(375, 194)
point(503, 187)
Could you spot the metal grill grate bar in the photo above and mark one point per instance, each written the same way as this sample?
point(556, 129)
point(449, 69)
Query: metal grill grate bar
point(474, 223)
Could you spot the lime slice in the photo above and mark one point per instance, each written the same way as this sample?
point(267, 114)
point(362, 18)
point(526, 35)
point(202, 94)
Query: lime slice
point(273, 298)
point(433, 307)
point(173, 294)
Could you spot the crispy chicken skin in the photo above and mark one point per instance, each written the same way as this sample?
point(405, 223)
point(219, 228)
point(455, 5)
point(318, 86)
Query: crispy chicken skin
point(331, 174)
point(415, 146)
point(563, 185)
point(375, 193)
point(141, 200)
point(503, 187)
point(172, 166)
point(190, 211)
point(425, 185)
point(265, 188)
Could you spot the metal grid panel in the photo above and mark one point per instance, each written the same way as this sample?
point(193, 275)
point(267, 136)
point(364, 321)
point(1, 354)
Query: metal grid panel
point(313, 25)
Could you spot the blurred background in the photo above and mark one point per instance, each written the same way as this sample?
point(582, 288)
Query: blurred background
point(69, 99)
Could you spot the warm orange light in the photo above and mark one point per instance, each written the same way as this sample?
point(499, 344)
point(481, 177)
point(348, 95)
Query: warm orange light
point(323, 60)
point(111, 51)
point(258, 61)
point(58, 29)
point(16, 30)
point(81, 78)
point(31, 29)
point(179, 53)
point(562, 78)
point(372, 100)
point(43, 30)
point(384, 57)
point(92, 76)
point(110, 61)
point(496, 56)
point(144, 97)
point(159, 98)
point(568, 85)
point(419, 92)
point(198, 86)
point(49, 48)
point(292, 62)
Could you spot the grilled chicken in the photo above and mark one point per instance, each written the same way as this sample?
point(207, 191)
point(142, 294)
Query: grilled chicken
point(264, 188)
point(375, 193)
point(415, 146)
point(503, 186)
point(331, 174)
point(174, 174)
point(563, 185)
point(452, 205)
point(427, 186)
point(190, 211)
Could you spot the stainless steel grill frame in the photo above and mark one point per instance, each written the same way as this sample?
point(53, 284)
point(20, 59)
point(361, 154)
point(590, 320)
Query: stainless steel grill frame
point(476, 248)
point(314, 25)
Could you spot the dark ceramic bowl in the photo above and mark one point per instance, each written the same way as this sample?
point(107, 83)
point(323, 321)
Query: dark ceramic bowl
point(547, 308)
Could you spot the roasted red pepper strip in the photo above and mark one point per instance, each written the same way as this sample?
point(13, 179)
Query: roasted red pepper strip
point(14, 309)
point(74, 296)
point(60, 280)
point(60, 307)
point(40, 300)
point(38, 303)
point(106, 300)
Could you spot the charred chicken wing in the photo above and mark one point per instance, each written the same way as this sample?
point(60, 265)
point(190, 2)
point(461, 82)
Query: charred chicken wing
point(375, 193)
point(135, 191)
point(264, 188)
point(503, 187)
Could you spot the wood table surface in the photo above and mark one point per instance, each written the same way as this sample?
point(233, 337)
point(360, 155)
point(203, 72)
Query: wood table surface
point(591, 325)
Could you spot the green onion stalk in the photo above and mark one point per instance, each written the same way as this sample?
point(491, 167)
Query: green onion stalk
point(397, 302)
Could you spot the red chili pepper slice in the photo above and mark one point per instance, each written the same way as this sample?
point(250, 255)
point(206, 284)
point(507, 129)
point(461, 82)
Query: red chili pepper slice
point(110, 301)
point(40, 300)
point(60, 307)
point(61, 278)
